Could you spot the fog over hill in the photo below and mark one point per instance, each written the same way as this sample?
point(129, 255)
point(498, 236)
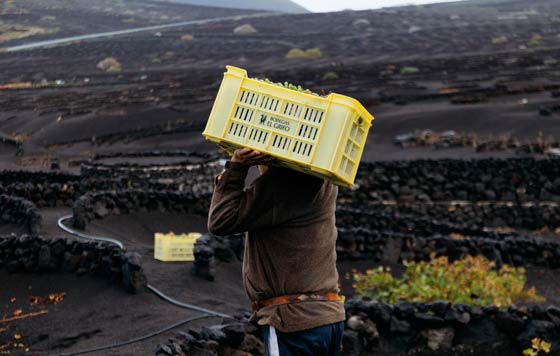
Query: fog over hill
point(271, 5)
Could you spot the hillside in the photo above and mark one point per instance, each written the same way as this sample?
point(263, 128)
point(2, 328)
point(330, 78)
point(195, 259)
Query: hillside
point(420, 67)
point(269, 5)
point(27, 20)
point(487, 7)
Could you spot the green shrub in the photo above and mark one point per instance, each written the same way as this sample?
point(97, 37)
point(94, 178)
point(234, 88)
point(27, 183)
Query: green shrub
point(409, 70)
point(313, 53)
point(245, 29)
point(298, 53)
point(295, 53)
point(500, 40)
point(109, 65)
point(472, 280)
point(330, 76)
point(168, 55)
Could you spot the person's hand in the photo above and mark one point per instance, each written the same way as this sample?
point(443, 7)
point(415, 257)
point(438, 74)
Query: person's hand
point(249, 157)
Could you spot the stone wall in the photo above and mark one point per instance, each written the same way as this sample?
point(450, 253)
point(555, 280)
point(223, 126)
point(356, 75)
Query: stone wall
point(378, 328)
point(157, 153)
point(523, 179)
point(21, 212)
point(397, 238)
point(8, 141)
point(101, 204)
point(57, 189)
point(438, 328)
point(32, 253)
point(11, 177)
point(198, 169)
point(527, 216)
point(361, 244)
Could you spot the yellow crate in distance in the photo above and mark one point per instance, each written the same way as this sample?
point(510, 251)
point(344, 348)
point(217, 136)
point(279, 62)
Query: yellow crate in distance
point(323, 136)
point(171, 247)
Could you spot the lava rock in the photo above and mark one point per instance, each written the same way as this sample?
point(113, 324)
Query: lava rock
point(423, 320)
point(133, 277)
point(439, 339)
point(399, 326)
point(535, 328)
point(379, 312)
point(44, 257)
point(234, 333)
point(509, 323)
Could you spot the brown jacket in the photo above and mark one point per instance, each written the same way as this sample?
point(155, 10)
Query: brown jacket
point(290, 246)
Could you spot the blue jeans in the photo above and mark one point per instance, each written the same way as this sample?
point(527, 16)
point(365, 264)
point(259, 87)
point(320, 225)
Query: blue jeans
point(324, 340)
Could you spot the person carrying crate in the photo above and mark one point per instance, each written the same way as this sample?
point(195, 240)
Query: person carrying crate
point(289, 265)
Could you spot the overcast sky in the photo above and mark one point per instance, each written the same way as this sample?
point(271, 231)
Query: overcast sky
point(336, 5)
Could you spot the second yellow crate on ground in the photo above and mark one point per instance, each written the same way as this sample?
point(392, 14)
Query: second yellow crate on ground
point(171, 247)
point(323, 136)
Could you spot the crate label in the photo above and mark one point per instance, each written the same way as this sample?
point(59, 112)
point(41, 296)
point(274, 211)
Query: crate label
point(276, 124)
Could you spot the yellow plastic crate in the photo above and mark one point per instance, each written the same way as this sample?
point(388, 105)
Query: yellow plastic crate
point(171, 247)
point(323, 136)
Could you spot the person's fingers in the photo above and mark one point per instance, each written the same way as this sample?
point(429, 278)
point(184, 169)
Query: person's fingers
point(252, 155)
point(255, 155)
point(262, 160)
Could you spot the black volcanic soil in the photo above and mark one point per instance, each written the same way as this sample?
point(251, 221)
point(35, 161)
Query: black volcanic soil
point(163, 96)
point(168, 85)
point(96, 313)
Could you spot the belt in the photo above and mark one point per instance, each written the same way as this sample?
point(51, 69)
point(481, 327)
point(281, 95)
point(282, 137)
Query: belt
point(296, 298)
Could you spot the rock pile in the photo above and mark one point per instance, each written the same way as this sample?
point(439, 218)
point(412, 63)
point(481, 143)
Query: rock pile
point(32, 253)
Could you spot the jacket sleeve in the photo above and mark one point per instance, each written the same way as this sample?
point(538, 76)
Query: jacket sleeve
point(234, 209)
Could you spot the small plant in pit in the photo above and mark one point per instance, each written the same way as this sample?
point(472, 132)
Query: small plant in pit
point(473, 281)
point(537, 346)
point(298, 53)
point(409, 70)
